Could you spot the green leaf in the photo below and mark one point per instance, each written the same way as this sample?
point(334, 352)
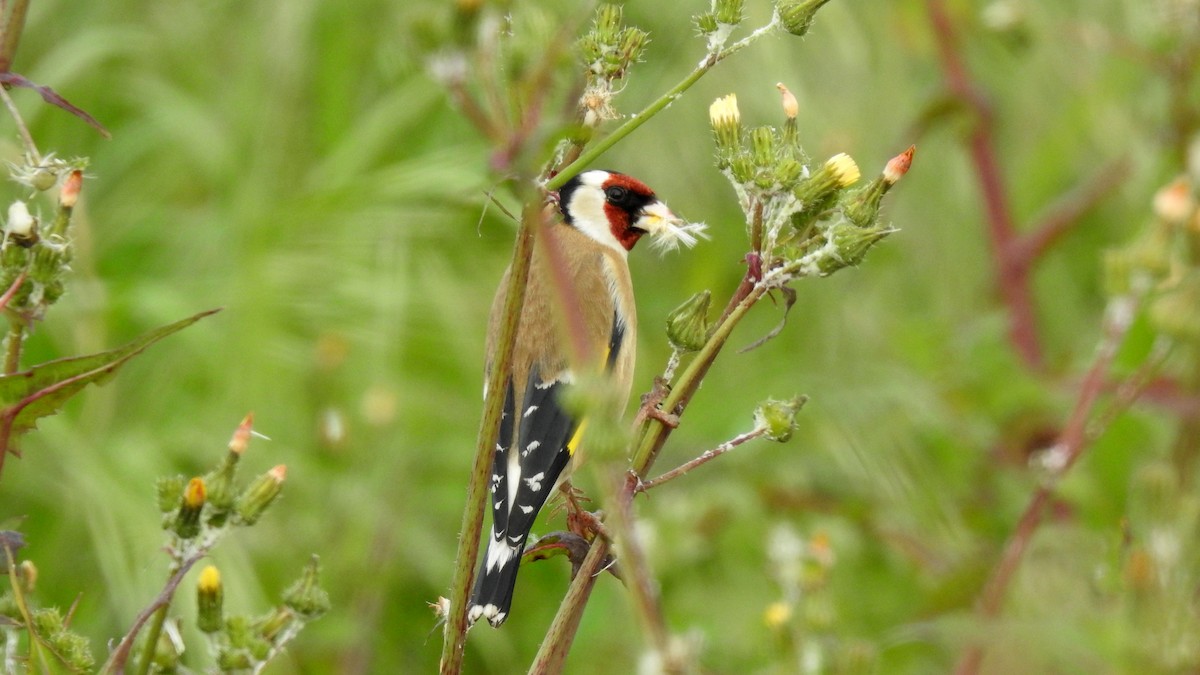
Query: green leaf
point(42, 390)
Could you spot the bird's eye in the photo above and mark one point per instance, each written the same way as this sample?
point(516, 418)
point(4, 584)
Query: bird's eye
point(616, 194)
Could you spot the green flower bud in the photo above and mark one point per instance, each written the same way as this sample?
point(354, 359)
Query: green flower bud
point(234, 660)
point(778, 418)
point(270, 626)
point(837, 173)
point(187, 519)
point(706, 23)
point(221, 492)
point(742, 168)
point(210, 599)
point(729, 12)
point(74, 650)
point(608, 23)
point(846, 245)
point(1177, 311)
point(762, 145)
point(169, 490)
point(306, 597)
point(259, 495)
point(796, 16)
point(687, 324)
point(633, 43)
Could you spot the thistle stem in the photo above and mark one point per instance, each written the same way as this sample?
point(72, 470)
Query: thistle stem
point(455, 634)
point(638, 119)
point(12, 346)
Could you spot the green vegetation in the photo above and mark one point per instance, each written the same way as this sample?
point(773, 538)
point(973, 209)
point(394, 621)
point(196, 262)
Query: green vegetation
point(298, 164)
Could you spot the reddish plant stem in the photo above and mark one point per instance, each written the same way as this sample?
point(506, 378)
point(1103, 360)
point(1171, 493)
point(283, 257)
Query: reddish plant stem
point(1012, 269)
point(1072, 441)
point(1064, 213)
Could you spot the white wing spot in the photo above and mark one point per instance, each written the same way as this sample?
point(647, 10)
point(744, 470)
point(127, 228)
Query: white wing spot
point(533, 445)
point(498, 504)
point(535, 481)
point(525, 509)
point(530, 410)
point(498, 554)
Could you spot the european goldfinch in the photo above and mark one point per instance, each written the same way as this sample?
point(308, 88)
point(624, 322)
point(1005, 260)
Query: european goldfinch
point(604, 214)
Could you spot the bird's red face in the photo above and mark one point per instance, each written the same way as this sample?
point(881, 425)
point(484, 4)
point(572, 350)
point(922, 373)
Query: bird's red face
point(617, 210)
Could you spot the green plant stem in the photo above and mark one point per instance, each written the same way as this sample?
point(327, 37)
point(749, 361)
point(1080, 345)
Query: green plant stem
point(655, 433)
point(552, 654)
point(12, 24)
point(455, 634)
point(151, 644)
point(117, 659)
point(26, 137)
point(12, 347)
point(640, 581)
point(638, 119)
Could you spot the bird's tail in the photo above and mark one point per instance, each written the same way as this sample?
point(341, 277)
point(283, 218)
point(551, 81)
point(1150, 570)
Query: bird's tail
point(494, 584)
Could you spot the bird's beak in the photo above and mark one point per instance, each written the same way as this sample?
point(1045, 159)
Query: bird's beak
point(665, 228)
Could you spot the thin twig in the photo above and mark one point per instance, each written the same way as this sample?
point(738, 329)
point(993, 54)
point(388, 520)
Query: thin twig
point(116, 661)
point(26, 137)
point(658, 105)
point(704, 458)
point(1062, 215)
point(640, 581)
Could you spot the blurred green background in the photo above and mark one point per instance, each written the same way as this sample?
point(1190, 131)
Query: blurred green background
point(292, 162)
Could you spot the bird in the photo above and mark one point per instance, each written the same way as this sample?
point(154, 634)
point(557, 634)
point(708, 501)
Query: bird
point(604, 214)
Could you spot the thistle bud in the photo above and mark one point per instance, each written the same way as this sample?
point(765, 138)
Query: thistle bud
point(728, 12)
point(306, 597)
point(1177, 311)
point(69, 194)
point(210, 599)
point(706, 23)
point(863, 207)
point(687, 325)
point(796, 16)
point(187, 519)
point(818, 192)
point(898, 166)
point(21, 226)
point(633, 43)
point(762, 146)
point(28, 574)
point(241, 435)
point(259, 495)
point(169, 490)
point(726, 123)
point(846, 245)
point(778, 418)
point(1173, 203)
point(791, 107)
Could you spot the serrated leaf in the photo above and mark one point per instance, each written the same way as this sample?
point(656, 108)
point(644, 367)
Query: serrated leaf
point(27, 396)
